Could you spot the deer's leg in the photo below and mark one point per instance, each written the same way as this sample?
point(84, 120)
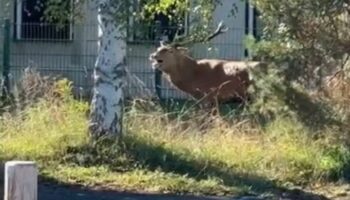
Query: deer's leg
point(216, 106)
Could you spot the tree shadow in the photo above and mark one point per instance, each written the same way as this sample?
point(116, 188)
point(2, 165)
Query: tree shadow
point(53, 189)
point(157, 157)
point(314, 114)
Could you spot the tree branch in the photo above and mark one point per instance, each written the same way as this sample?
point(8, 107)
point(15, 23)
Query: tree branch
point(221, 28)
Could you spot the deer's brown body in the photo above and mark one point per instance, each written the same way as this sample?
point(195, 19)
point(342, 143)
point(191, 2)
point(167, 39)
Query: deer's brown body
point(211, 80)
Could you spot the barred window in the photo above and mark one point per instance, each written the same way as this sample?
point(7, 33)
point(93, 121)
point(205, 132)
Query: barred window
point(31, 23)
point(157, 25)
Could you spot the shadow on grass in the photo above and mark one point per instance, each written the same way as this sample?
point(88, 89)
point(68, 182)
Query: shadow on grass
point(157, 157)
point(313, 114)
point(52, 189)
point(273, 84)
point(152, 157)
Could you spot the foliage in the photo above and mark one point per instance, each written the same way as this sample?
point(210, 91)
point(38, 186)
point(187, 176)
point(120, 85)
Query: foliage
point(61, 12)
point(143, 13)
point(312, 36)
point(201, 13)
point(305, 42)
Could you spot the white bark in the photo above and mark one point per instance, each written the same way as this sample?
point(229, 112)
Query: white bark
point(21, 181)
point(109, 74)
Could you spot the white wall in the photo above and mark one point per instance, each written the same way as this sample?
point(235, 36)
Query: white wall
point(230, 44)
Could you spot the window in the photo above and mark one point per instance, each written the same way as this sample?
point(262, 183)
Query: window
point(31, 25)
point(158, 26)
point(257, 24)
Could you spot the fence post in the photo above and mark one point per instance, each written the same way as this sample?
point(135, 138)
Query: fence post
point(246, 25)
point(6, 58)
point(158, 73)
point(21, 180)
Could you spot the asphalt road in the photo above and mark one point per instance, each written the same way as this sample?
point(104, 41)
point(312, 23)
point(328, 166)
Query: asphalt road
point(55, 192)
point(62, 193)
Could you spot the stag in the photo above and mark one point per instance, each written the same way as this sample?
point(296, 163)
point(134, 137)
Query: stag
point(212, 81)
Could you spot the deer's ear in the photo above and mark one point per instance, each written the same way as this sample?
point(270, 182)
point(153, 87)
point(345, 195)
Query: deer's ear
point(183, 50)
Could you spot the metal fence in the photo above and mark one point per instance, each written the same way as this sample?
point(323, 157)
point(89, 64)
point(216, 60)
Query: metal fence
point(71, 51)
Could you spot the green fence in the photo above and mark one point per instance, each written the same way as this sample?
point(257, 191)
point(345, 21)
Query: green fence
point(71, 51)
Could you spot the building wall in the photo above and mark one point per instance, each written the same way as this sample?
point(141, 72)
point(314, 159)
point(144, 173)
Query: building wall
point(72, 59)
point(75, 59)
point(230, 44)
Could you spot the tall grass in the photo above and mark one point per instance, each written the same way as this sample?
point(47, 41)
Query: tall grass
point(284, 150)
point(44, 130)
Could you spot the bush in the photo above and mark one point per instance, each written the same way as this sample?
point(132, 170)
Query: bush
point(305, 44)
point(312, 36)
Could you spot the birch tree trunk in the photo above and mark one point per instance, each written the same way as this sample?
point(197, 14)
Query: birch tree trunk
point(106, 112)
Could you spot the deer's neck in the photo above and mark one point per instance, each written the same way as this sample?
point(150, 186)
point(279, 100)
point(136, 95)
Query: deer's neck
point(185, 69)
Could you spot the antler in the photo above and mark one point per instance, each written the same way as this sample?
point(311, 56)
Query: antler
point(221, 28)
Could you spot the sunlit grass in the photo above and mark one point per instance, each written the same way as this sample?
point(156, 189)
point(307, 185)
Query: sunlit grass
point(43, 132)
point(140, 180)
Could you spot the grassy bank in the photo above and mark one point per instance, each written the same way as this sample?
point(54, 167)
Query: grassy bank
point(177, 154)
